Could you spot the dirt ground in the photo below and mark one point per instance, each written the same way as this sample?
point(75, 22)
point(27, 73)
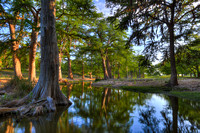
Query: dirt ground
point(191, 84)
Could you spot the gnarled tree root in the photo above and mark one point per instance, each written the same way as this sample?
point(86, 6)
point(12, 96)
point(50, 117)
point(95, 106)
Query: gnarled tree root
point(33, 108)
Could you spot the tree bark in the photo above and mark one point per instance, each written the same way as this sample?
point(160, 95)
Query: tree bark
point(48, 85)
point(83, 77)
point(127, 72)
point(90, 73)
point(33, 48)
point(70, 75)
point(15, 48)
point(173, 79)
point(60, 70)
point(108, 67)
point(104, 68)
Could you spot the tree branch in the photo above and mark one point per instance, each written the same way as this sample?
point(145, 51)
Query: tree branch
point(187, 13)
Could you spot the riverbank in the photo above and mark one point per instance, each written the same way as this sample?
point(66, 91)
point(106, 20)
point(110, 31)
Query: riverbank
point(187, 88)
point(189, 84)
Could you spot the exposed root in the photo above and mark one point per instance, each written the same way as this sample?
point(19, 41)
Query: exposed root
point(5, 111)
point(33, 108)
point(37, 107)
point(17, 103)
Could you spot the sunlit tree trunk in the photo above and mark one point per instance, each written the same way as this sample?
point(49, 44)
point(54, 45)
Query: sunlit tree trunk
point(70, 75)
point(104, 68)
point(48, 85)
point(106, 76)
point(15, 48)
point(33, 48)
point(90, 73)
point(83, 77)
point(127, 72)
point(60, 70)
point(108, 67)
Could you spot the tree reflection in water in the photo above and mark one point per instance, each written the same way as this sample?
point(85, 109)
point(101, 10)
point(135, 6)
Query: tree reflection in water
point(149, 120)
point(171, 121)
point(112, 110)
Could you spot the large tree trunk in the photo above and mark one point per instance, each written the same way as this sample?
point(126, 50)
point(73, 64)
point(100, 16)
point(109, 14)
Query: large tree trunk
point(104, 68)
point(70, 75)
point(83, 77)
point(108, 67)
point(33, 47)
point(127, 72)
point(60, 70)
point(173, 79)
point(106, 76)
point(15, 48)
point(48, 85)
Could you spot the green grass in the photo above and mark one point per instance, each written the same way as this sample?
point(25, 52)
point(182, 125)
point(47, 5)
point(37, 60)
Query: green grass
point(147, 89)
point(19, 88)
point(180, 92)
point(195, 96)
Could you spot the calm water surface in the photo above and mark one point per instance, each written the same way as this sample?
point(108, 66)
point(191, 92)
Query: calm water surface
point(112, 110)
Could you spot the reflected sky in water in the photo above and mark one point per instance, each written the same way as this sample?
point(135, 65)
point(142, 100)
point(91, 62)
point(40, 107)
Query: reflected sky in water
point(111, 110)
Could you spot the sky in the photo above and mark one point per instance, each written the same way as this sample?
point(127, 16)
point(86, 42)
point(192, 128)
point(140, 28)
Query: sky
point(101, 8)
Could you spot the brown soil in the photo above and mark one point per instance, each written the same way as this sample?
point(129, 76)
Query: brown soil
point(191, 84)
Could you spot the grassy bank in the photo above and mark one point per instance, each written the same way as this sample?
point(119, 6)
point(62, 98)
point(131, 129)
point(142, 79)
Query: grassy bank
point(180, 92)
